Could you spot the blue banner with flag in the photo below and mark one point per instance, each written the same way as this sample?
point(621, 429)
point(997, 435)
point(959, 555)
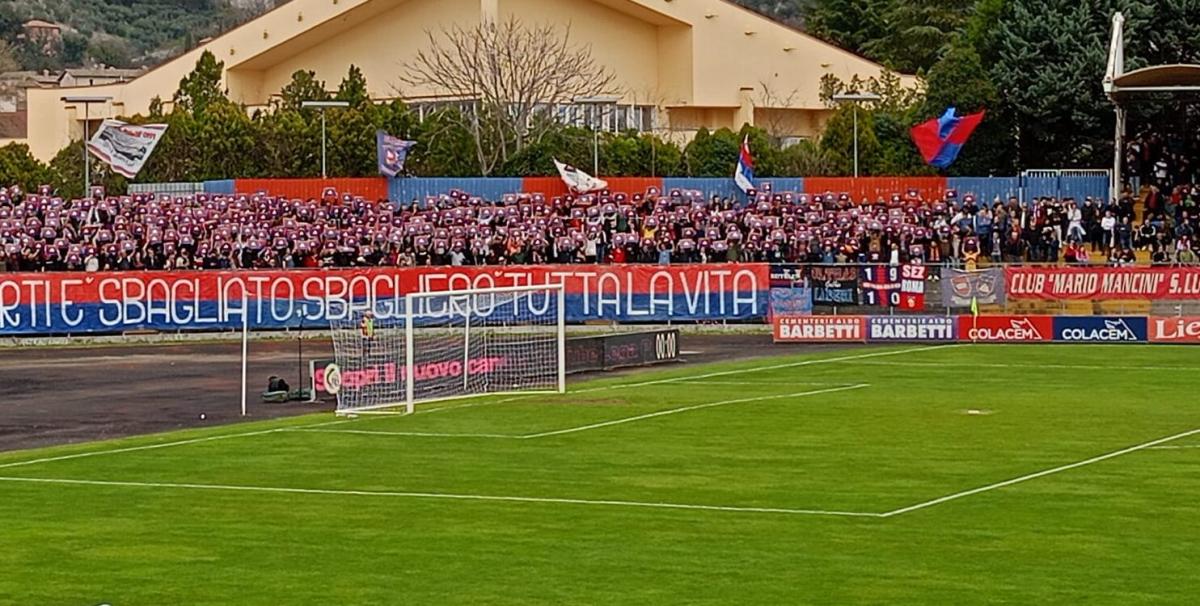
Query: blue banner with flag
point(392, 152)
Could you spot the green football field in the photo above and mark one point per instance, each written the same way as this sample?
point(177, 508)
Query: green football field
point(902, 475)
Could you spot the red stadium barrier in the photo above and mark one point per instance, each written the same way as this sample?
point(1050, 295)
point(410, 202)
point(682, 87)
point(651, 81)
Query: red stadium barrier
point(371, 188)
point(554, 186)
point(876, 187)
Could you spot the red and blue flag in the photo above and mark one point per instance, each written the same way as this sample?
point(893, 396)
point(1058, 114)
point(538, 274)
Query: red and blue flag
point(391, 152)
point(743, 175)
point(941, 139)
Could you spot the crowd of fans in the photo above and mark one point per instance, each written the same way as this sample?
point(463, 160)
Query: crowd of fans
point(41, 232)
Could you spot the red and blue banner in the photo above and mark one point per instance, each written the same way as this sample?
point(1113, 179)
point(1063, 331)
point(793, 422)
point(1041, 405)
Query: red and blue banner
point(941, 139)
point(58, 303)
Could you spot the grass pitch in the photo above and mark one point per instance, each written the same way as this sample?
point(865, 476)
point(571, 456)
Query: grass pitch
point(901, 475)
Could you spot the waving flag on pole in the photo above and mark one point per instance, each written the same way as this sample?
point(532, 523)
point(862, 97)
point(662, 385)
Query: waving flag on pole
point(125, 147)
point(578, 181)
point(392, 152)
point(743, 175)
point(940, 139)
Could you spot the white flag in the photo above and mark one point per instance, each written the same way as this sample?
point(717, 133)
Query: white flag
point(578, 181)
point(125, 147)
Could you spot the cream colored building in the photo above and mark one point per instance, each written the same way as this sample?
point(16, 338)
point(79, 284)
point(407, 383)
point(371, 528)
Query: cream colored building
point(682, 64)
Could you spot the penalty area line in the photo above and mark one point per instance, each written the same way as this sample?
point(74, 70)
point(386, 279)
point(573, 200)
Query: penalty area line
point(569, 430)
point(1041, 474)
point(156, 446)
point(742, 371)
point(443, 496)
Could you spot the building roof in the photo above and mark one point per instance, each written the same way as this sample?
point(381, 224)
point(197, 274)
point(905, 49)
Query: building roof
point(102, 72)
point(31, 78)
point(38, 23)
point(1177, 79)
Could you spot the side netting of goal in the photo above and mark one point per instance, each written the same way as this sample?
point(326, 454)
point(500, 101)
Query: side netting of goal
point(451, 344)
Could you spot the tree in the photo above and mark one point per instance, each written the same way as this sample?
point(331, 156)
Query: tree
point(74, 47)
point(289, 145)
point(303, 86)
point(18, 166)
point(1050, 58)
point(838, 141)
point(851, 24)
point(202, 87)
point(353, 89)
point(807, 159)
point(510, 76)
point(445, 147)
point(66, 172)
point(917, 32)
point(106, 50)
point(712, 154)
point(776, 122)
point(8, 58)
point(960, 80)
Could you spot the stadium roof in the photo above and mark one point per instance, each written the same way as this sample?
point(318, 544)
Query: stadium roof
point(1170, 79)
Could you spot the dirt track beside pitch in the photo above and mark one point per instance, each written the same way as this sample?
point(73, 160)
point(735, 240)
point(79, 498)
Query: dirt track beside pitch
point(60, 395)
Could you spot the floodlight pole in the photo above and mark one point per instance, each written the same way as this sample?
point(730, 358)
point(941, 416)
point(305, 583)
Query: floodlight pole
point(86, 102)
point(322, 106)
point(598, 104)
point(855, 140)
point(856, 99)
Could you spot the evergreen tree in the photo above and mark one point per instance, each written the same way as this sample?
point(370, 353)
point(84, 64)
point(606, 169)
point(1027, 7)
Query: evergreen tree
point(917, 31)
point(851, 24)
point(838, 141)
point(960, 80)
point(304, 86)
point(1050, 56)
point(202, 87)
point(354, 89)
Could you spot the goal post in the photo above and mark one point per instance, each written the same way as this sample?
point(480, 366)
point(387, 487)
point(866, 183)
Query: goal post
point(450, 344)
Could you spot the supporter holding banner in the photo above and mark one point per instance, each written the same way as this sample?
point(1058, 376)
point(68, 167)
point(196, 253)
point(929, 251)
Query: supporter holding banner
point(985, 287)
point(125, 147)
point(1102, 283)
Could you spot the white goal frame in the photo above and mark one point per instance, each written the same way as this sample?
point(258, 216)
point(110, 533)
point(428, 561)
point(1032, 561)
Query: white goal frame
point(411, 305)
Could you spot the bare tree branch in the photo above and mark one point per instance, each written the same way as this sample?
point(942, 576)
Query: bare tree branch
point(512, 75)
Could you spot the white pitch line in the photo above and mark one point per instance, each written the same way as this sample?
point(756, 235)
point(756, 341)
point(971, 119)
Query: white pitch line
point(1040, 474)
point(1042, 366)
point(448, 496)
point(691, 378)
point(725, 373)
point(1186, 446)
point(793, 383)
point(688, 408)
point(419, 434)
point(95, 453)
point(557, 432)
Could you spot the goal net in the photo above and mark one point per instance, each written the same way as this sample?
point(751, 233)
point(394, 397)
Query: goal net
point(452, 344)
